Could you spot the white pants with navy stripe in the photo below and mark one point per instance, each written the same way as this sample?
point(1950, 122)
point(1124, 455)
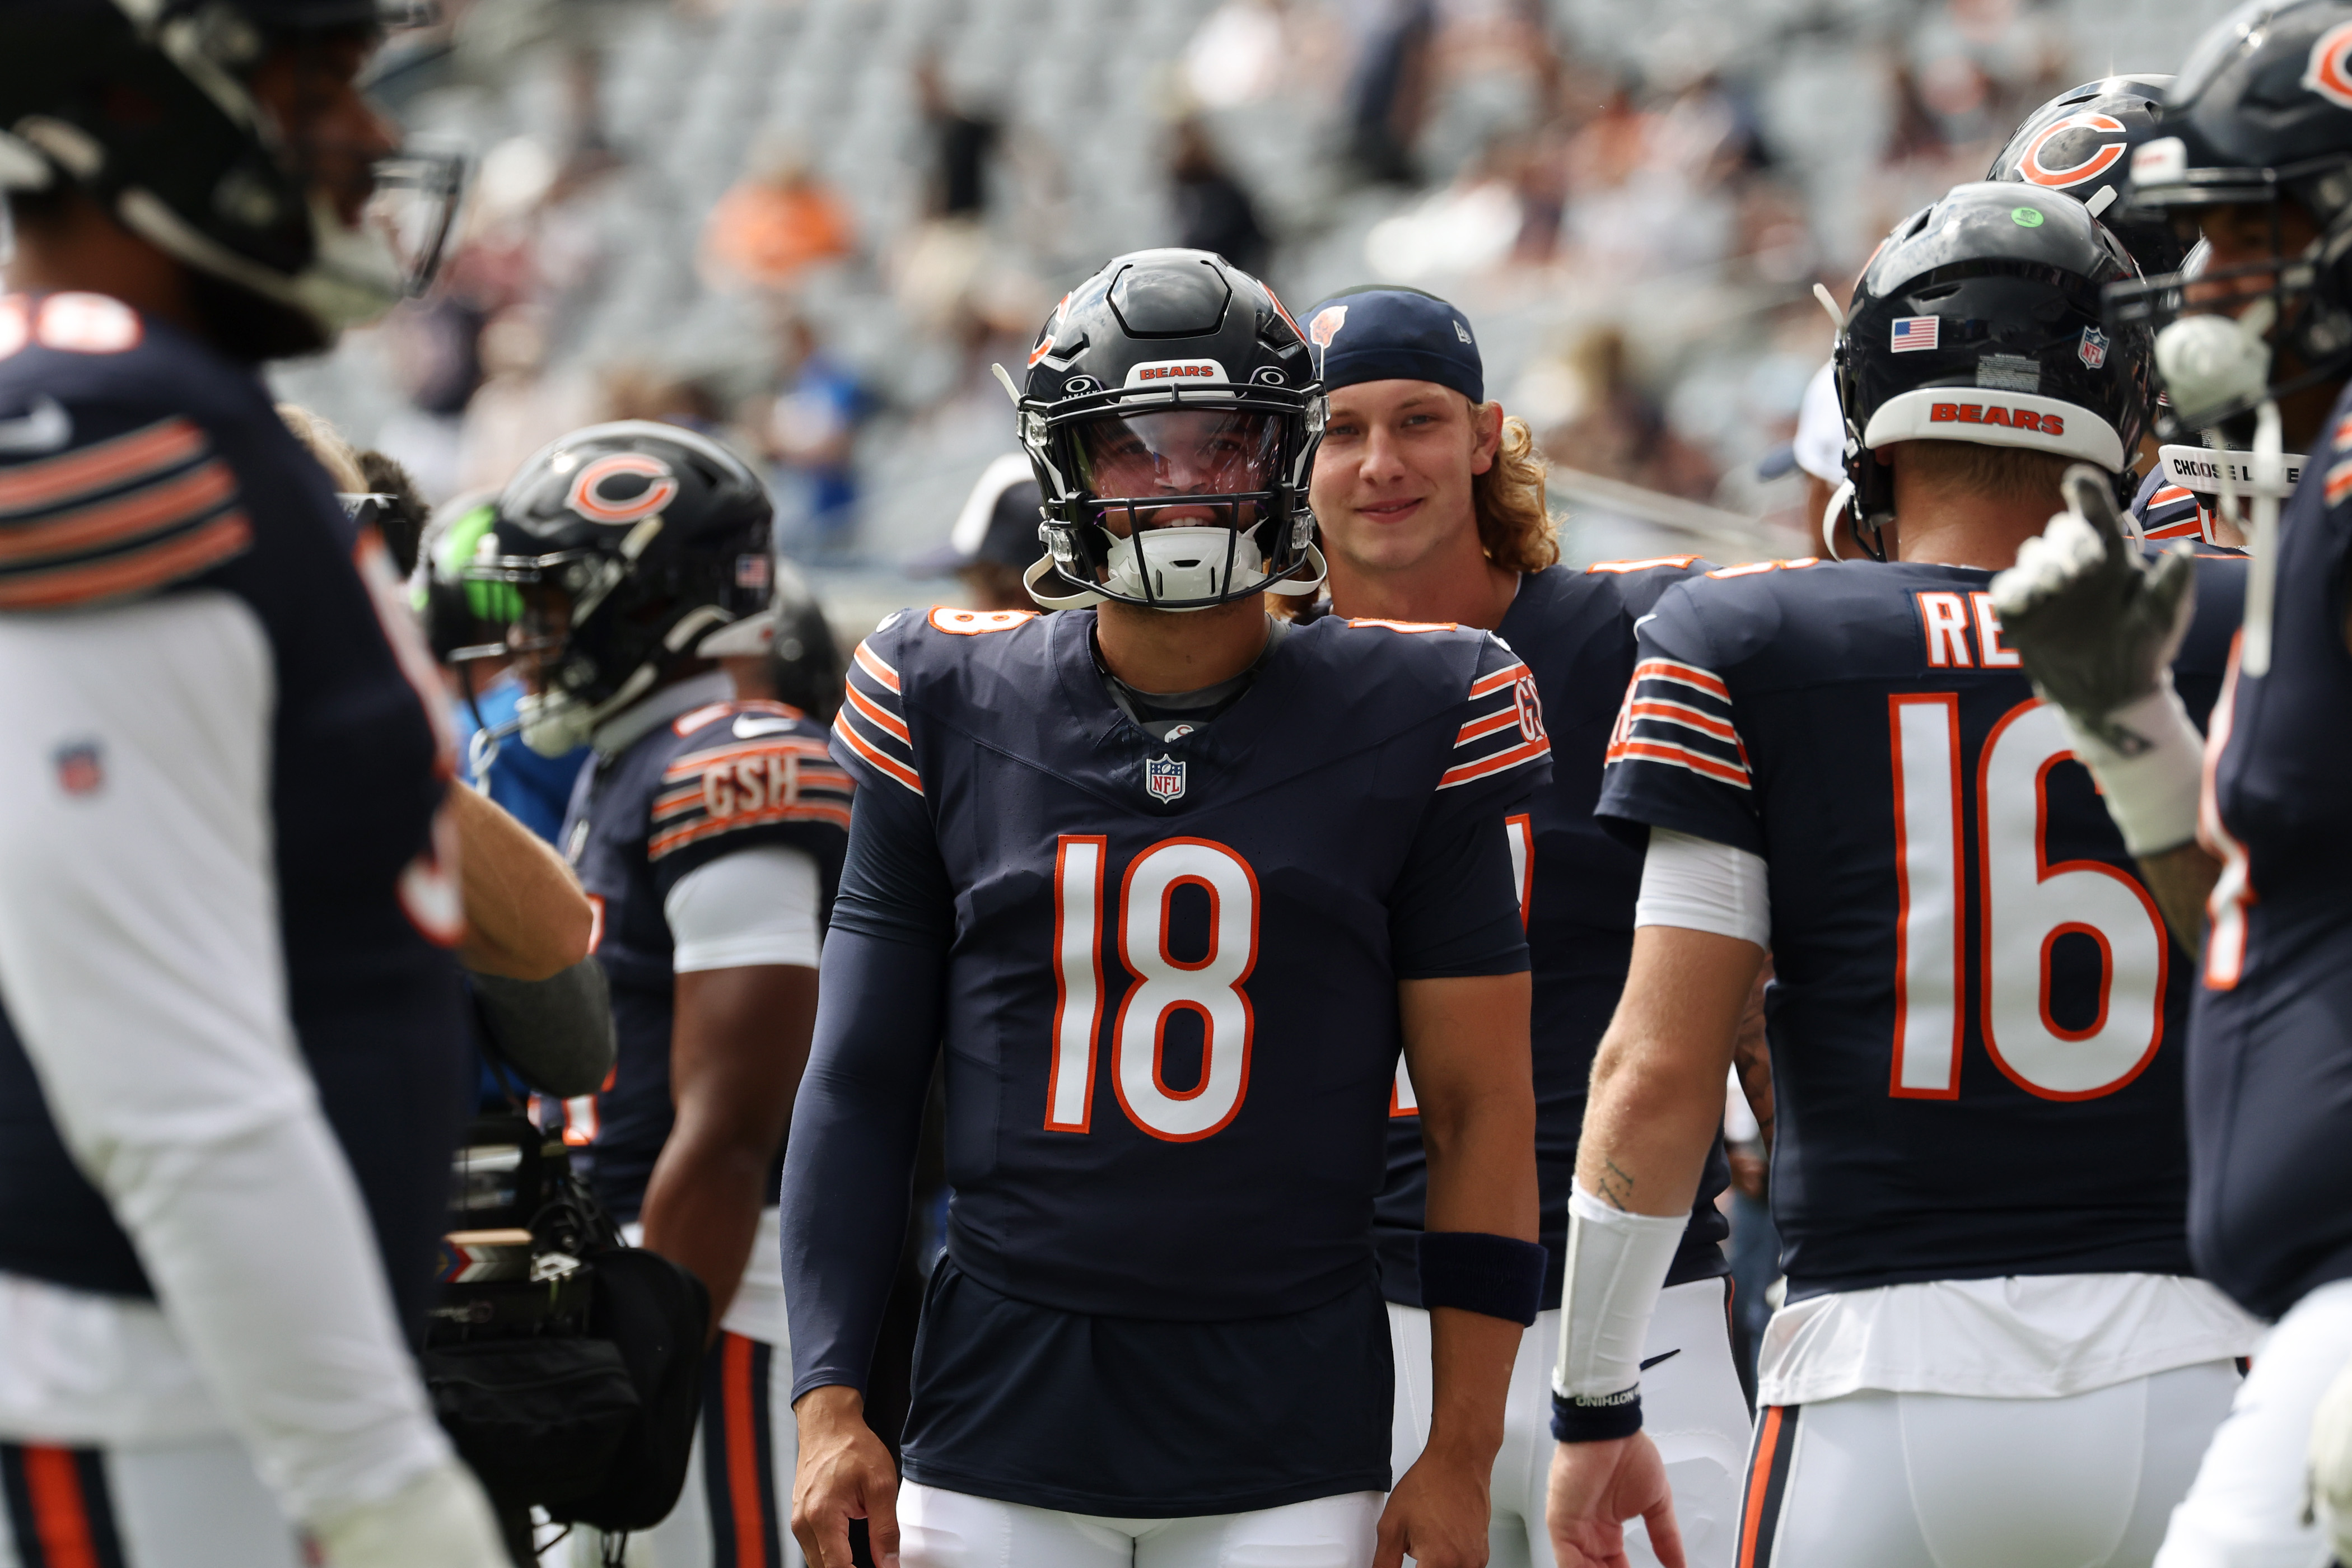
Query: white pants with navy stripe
point(954, 1529)
point(192, 1504)
point(1876, 1479)
point(2245, 1510)
point(1691, 1406)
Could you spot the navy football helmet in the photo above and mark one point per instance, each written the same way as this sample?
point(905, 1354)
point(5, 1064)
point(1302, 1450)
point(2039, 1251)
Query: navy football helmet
point(2080, 143)
point(1171, 413)
point(1979, 319)
point(629, 544)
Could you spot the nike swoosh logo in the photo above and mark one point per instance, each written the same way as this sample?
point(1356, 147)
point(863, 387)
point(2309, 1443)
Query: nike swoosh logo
point(750, 725)
point(43, 429)
point(1663, 1355)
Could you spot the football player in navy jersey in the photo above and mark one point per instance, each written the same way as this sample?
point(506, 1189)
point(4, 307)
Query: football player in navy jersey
point(1993, 1350)
point(709, 831)
point(230, 1064)
point(2243, 835)
point(1170, 884)
point(1431, 507)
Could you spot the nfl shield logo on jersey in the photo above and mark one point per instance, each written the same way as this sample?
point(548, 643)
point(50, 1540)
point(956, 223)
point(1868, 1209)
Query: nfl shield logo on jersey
point(1164, 776)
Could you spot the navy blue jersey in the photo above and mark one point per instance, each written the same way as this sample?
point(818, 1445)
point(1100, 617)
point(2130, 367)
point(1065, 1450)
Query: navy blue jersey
point(1977, 1024)
point(725, 777)
point(2270, 1073)
point(147, 463)
point(1575, 630)
point(1171, 1034)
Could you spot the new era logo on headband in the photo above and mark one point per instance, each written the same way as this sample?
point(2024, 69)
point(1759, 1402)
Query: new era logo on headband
point(1913, 332)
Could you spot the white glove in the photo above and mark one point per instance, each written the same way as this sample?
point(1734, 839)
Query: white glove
point(2331, 1464)
point(2096, 627)
point(440, 1520)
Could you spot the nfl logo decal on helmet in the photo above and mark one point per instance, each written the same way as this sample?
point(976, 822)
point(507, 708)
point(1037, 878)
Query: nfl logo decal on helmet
point(2094, 350)
point(1163, 775)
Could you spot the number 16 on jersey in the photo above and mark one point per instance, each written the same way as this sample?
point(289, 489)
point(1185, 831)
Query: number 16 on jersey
point(2024, 905)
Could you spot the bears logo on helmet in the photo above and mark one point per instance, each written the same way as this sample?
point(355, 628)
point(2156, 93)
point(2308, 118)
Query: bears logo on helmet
point(2066, 153)
point(589, 498)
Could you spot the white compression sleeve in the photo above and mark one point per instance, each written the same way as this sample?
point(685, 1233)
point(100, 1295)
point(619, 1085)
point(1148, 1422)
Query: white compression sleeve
point(2151, 795)
point(1617, 1264)
point(755, 906)
point(1698, 884)
point(140, 963)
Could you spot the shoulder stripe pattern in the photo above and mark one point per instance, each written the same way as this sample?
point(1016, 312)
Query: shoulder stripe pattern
point(1680, 715)
point(123, 517)
point(873, 721)
point(2173, 511)
point(1502, 728)
point(737, 784)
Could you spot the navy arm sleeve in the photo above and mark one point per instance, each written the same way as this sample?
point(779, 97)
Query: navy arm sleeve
point(849, 1162)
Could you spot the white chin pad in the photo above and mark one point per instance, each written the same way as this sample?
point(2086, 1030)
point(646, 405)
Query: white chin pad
point(1181, 563)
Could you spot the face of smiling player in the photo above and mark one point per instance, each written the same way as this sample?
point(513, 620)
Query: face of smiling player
point(1392, 479)
point(1180, 452)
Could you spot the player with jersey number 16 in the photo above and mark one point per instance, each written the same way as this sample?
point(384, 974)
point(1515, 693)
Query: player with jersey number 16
point(1993, 1350)
point(1167, 885)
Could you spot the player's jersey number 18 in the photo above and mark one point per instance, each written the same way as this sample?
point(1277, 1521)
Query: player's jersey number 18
point(2023, 905)
point(1210, 986)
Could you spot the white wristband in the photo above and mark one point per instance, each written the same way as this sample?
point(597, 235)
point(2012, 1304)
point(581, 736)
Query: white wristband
point(1617, 1264)
point(2151, 794)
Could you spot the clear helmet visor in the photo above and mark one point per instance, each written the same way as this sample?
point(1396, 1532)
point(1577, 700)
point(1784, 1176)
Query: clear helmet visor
point(1166, 467)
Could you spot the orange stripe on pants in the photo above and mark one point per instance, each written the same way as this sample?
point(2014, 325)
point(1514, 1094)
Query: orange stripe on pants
point(742, 1452)
point(1759, 1480)
point(60, 1513)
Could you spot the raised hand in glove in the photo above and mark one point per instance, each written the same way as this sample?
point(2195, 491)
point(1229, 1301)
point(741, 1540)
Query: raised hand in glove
point(2097, 625)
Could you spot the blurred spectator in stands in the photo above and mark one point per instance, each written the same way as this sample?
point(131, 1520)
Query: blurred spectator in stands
point(1390, 96)
point(519, 409)
point(1239, 55)
point(1617, 430)
point(1212, 211)
point(962, 141)
point(434, 346)
point(811, 432)
point(994, 539)
point(774, 222)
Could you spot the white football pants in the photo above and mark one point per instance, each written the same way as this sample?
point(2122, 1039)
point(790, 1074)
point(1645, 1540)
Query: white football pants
point(953, 1529)
point(1691, 1406)
point(2245, 1510)
point(1935, 1480)
point(194, 1504)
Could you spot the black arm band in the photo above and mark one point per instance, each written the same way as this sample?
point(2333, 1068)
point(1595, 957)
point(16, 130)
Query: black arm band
point(1599, 1418)
point(1500, 1276)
